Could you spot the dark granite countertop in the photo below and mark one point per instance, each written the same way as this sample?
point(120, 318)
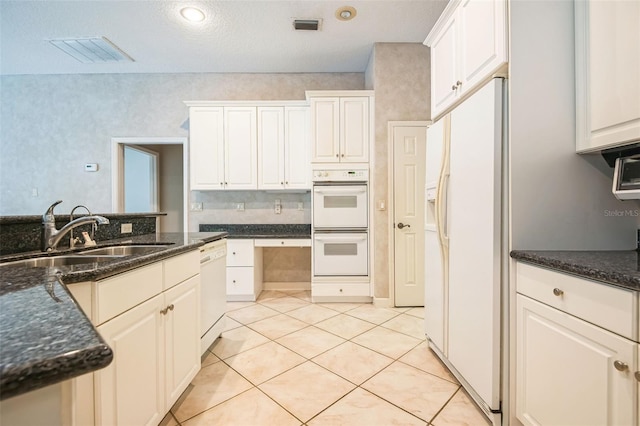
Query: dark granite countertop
point(46, 337)
point(288, 230)
point(620, 268)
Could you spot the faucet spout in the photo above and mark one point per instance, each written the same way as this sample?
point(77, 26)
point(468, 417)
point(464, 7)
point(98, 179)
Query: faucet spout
point(52, 236)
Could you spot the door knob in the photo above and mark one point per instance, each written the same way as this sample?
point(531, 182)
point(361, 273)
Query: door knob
point(402, 225)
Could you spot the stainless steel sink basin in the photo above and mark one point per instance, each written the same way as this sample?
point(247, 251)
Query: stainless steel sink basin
point(65, 260)
point(122, 250)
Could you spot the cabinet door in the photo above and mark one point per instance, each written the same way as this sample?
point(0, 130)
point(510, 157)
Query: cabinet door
point(206, 148)
point(444, 72)
point(354, 130)
point(240, 282)
point(240, 252)
point(565, 373)
point(240, 143)
point(271, 148)
point(483, 48)
point(130, 390)
point(607, 70)
point(325, 130)
point(297, 164)
point(182, 337)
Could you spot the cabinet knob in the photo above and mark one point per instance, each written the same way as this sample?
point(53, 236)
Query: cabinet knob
point(287, 183)
point(343, 155)
point(637, 375)
point(164, 311)
point(234, 281)
point(171, 307)
point(558, 292)
point(340, 290)
point(458, 83)
point(281, 183)
point(337, 155)
point(234, 253)
point(454, 87)
point(621, 366)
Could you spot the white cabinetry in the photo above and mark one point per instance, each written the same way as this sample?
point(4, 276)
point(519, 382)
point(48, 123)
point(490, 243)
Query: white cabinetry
point(244, 145)
point(283, 148)
point(607, 74)
point(240, 148)
point(468, 47)
point(222, 147)
point(575, 364)
point(150, 317)
point(244, 270)
point(340, 126)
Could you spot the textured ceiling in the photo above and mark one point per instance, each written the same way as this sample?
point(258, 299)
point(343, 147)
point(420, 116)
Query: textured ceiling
point(236, 36)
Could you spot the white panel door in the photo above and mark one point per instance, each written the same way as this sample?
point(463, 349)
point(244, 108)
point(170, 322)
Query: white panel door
point(241, 151)
point(325, 130)
point(565, 370)
point(271, 141)
point(409, 145)
point(130, 390)
point(474, 241)
point(483, 47)
point(206, 148)
point(182, 337)
point(444, 72)
point(297, 161)
point(354, 129)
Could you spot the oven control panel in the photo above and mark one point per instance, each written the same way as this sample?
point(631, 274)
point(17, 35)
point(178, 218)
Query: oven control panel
point(341, 175)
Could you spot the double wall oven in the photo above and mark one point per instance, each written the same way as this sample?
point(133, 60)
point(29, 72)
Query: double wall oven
point(340, 223)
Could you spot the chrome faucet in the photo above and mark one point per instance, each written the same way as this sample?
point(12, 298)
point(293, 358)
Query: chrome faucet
point(52, 236)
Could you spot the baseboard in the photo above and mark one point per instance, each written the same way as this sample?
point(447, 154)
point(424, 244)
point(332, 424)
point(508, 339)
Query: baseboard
point(382, 302)
point(287, 286)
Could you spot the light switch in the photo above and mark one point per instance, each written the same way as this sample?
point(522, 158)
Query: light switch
point(196, 207)
point(240, 207)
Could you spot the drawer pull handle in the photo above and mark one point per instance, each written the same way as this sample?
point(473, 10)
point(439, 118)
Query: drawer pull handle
point(621, 366)
point(558, 292)
point(637, 375)
point(164, 311)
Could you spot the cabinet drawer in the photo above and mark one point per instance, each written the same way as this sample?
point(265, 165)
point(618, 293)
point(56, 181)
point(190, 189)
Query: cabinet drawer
point(612, 308)
point(240, 281)
point(117, 294)
point(239, 252)
point(180, 268)
point(341, 290)
point(284, 242)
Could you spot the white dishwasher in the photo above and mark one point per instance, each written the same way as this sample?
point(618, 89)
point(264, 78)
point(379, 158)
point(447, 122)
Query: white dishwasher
point(213, 291)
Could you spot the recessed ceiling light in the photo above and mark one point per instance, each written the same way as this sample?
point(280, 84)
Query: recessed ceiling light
point(346, 13)
point(192, 14)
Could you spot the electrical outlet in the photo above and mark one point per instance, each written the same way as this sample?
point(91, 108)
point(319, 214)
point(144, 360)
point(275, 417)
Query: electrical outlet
point(240, 207)
point(126, 228)
point(300, 206)
point(196, 207)
point(278, 207)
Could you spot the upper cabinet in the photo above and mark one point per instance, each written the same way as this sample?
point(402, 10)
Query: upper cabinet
point(239, 145)
point(468, 47)
point(607, 74)
point(341, 126)
point(283, 148)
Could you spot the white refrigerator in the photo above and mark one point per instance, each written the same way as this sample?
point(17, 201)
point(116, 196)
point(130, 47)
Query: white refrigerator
point(465, 242)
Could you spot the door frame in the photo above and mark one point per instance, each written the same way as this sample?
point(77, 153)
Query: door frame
point(117, 167)
point(391, 126)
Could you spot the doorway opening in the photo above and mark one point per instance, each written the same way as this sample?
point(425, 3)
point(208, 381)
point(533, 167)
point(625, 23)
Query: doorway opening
point(139, 185)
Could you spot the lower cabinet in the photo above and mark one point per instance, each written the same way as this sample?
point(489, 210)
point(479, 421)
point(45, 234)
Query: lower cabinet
point(570, 371)
point(244, 270)
point(150, 317)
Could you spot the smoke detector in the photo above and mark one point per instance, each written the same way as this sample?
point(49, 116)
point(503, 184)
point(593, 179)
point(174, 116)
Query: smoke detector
point(346, 13)
point(307, 24)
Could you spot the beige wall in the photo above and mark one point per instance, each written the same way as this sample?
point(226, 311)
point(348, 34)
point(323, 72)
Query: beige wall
point(51, 125)
point(401, 80)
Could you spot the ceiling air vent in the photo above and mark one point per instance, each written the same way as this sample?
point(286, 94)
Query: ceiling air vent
point(306, 24)
point(91, 50)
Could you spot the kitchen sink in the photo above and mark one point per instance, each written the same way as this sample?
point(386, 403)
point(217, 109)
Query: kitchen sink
point(65, 260)
point(122, 250)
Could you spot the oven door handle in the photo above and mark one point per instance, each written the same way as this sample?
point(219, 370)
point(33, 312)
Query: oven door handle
point(340, 238)
point(340, 190)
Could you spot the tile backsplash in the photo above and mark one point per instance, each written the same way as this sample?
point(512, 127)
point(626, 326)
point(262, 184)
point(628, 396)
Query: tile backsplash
point(259, 207)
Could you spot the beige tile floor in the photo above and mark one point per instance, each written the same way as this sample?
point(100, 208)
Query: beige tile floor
point(286, 361)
